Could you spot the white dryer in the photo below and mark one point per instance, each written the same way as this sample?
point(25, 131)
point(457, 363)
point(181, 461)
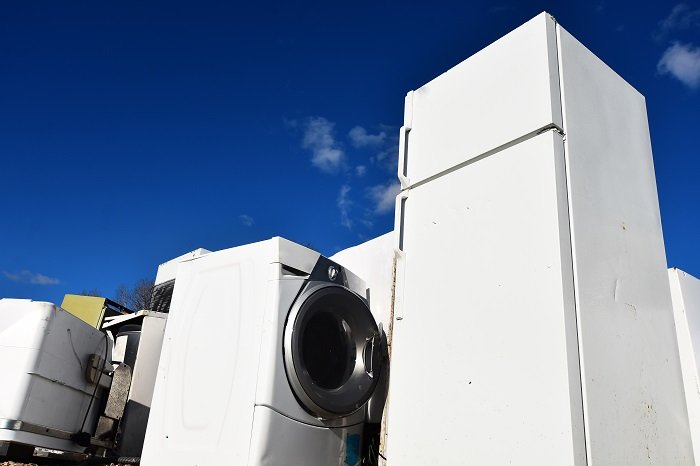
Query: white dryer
point(270, 357)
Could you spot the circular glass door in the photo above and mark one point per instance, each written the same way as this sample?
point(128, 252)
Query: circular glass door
point(332, 347)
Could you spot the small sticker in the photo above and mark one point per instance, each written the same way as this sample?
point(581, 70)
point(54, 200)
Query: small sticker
point(352, 449)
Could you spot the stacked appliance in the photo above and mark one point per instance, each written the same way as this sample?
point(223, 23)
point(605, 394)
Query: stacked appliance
point(52, 382)
point(271, 355)
point(532, 310)
point(138, 339)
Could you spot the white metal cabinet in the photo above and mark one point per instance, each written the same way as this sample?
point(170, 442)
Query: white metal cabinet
point(44, 352)
point(475, 296)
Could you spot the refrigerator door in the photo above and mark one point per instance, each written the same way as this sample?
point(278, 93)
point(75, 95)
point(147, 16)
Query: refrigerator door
point(487, 317)
point(506, 91)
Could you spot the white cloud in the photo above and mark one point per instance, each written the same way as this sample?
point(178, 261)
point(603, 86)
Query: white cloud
point(681, 17)
point(683, 62)
point(359, 137)
point(384, 196)
point(360, 170)
point(388, 157)
point(327, 156)
point(246, 220)
point(25, 276)
point(344, 205)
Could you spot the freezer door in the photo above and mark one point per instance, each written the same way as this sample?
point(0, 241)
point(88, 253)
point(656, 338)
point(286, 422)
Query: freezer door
point(506, 91)
point(484, 354)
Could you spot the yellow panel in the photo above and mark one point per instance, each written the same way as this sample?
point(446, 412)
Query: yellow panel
point(89, 309)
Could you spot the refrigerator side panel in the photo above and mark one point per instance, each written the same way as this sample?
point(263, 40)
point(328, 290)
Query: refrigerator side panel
point(633, 390)
point(685, 293)
point(690, 288)
point(504, 92)
point(485, 357)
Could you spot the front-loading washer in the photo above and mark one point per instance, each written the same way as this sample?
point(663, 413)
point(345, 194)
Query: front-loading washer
point(270, 357)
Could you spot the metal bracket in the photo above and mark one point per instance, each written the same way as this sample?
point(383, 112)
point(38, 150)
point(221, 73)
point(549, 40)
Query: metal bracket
point(22, 426)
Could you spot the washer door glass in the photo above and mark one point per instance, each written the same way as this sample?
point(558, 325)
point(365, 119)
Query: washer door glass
point(332, 347)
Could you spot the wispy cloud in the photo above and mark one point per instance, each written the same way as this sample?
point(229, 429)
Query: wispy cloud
point(360, 170)
point(384, 196)
point(246, 220)
point(25, 276)
point(682, 17)
point(344, 205)
point(682, 61)
point(359, 137)
point(383, 145)
point(319, 138)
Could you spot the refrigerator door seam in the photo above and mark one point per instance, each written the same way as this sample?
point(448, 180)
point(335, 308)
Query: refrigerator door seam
point(582, 378)
point(530, 135)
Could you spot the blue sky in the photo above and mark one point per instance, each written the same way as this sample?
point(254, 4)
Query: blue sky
point(132, 132)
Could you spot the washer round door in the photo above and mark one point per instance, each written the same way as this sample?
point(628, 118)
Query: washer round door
point(332, 351)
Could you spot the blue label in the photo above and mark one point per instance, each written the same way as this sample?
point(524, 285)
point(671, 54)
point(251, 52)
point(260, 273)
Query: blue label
point(352, 449)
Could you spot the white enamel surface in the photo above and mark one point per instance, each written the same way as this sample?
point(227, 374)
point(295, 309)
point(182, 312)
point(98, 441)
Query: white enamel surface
point(493, 97)
point(278, 440)
point(143, 377)
point(633, 393)
point(222, 362)
point(484, 360)
point(203, 400)
point(43, 355)
point(685, 294)
point(557, 256)
point(167, 270)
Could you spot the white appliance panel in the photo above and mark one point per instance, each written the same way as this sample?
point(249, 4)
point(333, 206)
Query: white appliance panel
point(633, 393)
point(203, 399)
point(485, 359)
point(685, 293)
point(279, 440)
point(43, 353)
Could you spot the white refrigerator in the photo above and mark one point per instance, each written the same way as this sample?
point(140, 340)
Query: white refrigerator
point(532, 316)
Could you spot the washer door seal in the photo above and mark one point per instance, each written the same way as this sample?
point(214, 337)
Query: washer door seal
point(332, 351)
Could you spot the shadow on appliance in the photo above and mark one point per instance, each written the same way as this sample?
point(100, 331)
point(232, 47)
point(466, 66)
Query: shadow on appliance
point(271, 356)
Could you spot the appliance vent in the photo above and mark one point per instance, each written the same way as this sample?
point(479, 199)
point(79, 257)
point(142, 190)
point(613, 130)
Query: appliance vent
point(162, 295)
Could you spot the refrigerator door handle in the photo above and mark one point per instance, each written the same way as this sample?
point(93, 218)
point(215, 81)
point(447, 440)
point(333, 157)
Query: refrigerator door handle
point(399, 254)
point(399, 216)
point(403, 155)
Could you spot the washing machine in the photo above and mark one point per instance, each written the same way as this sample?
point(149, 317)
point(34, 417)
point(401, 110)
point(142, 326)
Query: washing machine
point(271, 355)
